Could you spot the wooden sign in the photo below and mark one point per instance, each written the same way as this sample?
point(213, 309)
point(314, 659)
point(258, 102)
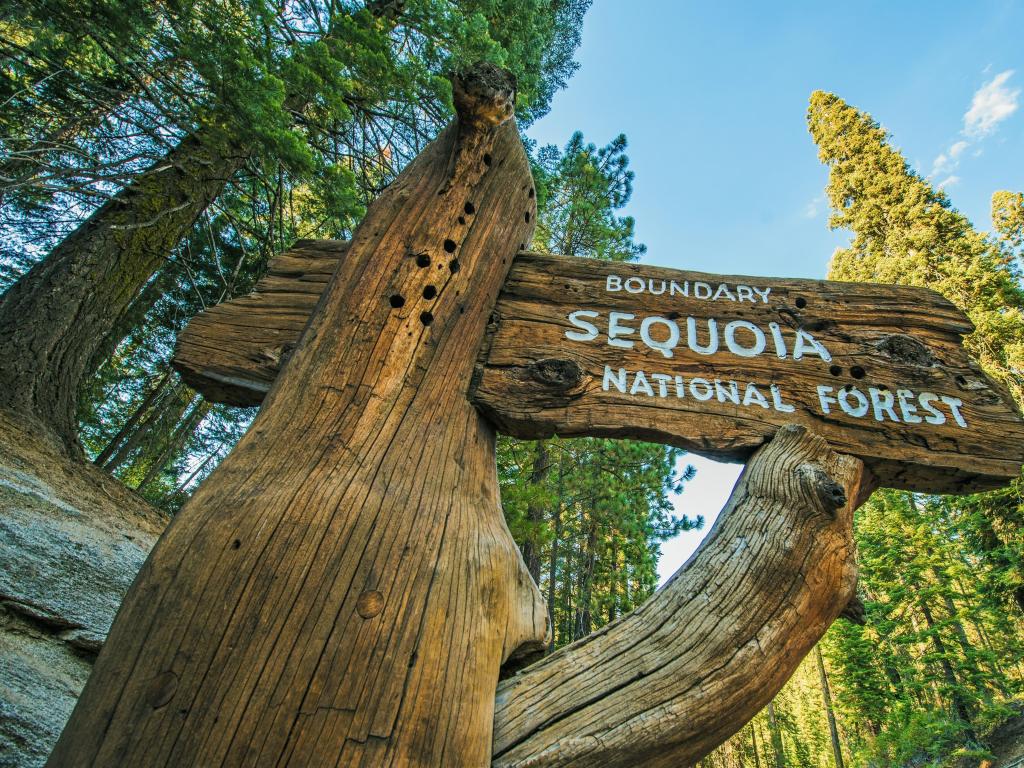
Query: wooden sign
point(716, 364)
point(343, 589)
point(713, 364)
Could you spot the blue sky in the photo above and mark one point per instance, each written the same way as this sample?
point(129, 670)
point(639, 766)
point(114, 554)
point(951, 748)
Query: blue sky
point(713, 96)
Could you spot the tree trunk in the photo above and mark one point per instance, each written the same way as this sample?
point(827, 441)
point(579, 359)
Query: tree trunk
point(962, 707)
point(56, 317)
point(535, 512)
point(673, 680)
point(133, 420)
point(826, 695)
point(165, 414)
point(176, 442)
point(56, 320)
point(343, 590)
point(773, 726)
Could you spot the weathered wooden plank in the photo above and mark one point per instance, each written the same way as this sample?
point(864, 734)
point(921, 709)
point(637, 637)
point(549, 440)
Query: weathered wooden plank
point(233, 351)
point(882, 342)
point(671, 681)
point(715, 364)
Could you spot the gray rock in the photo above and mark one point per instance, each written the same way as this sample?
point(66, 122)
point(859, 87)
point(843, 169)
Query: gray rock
point(72, 539)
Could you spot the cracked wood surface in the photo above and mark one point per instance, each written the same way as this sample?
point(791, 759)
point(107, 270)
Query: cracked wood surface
point(666, 684)
point(533, 382)
point(343, 589)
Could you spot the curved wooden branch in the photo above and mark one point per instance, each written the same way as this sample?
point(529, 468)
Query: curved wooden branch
point(668, 683)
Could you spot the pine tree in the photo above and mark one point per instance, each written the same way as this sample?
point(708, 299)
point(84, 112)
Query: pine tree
point(251, 89)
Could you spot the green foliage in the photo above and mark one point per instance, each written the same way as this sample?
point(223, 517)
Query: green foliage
point(940, 661)
point(904, 231)
point(589, 514)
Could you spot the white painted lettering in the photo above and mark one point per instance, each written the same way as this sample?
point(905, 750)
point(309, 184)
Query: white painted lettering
point(907, 409)
point(753, 395)
point(882, 402)
point(613, 284)
point(663, 380)
point(844, 402)
point(640, 384)
point(665, 347)
point(723, 290)
point(589, 330)
point(708, 392)
point(617, 379)
point(954, 407)
point(935, 416)
point(730, 392)
point(615, 330)
point(691, 337)
point(701, 290)
point(825, 398)
point(737, 349)
point(780, 343)
point(805, 343)
point(780, 406)
point(673, 288)
point(634, 285)
point(745, 293)
point(763, 294)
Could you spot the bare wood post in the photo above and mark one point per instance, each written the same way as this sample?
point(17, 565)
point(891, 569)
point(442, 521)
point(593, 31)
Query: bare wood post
point(671, 681)
point(343, 589)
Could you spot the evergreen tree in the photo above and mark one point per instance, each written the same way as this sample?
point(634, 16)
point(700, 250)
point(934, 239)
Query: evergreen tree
point(302, 91)
point(589, 514)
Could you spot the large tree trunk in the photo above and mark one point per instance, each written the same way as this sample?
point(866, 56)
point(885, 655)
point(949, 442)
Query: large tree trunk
point(56, 317)
point(535, 512)
point(56, 320)
point(343, 590)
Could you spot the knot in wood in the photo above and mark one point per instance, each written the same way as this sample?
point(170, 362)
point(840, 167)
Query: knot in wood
point(556, 373)
point(829, 494)
point(855, 611)
point(906, 349)
point(484, 95)
point(161, 689)
point(369, 603)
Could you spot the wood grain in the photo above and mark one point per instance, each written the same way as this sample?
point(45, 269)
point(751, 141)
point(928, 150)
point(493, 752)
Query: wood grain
point(666, 684)
point(533, 382)
point(343, 590)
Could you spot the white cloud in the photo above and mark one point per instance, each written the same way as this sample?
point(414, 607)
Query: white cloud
point(992, 103)
point(949, 181)
point(813, 208)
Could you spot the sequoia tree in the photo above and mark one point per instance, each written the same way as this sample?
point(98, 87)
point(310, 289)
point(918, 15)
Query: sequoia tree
point(320, 68)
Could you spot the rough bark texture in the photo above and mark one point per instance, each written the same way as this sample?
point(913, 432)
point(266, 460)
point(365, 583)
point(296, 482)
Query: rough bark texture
point(343, 589)
point(534, 382)
point(668, 683)
point(54, 320)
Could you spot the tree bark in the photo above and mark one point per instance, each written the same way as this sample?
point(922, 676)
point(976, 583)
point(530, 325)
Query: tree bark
point(175, 442)
point(535, 512)
point(343, 589)
point(826, 695)
point(773, 726)
point(55, 318)
point(668, 683)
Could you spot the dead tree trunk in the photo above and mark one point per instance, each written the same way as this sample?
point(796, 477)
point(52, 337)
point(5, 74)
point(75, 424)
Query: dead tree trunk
point(343, 590)
point(668, 683)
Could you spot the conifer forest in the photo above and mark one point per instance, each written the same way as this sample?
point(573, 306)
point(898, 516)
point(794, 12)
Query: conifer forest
point(154, 159)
